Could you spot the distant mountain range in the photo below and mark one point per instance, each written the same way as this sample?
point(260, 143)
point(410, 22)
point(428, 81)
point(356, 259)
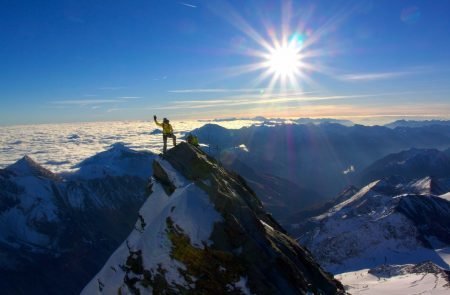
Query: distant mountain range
point(415, 124)
point(323, 158)
point(282, 120)
point(57, 230)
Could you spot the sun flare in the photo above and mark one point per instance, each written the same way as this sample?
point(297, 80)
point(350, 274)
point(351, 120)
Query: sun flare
point(284, 61)
point(288, 56)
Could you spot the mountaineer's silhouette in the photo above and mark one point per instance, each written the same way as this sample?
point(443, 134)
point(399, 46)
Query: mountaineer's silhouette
point(167, 132)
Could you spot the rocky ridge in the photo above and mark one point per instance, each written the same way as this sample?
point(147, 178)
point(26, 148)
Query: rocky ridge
point(203, 230)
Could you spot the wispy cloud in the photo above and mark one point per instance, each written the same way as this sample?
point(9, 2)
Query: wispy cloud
point(130, 97)
point(373, 76)
point(83, 102)
point(233, 101)
point(216, 90)
point(187, 4)
point(160, 78)
point(383, 75)
point(111, 88)
point(266, 99)
point(114, 110)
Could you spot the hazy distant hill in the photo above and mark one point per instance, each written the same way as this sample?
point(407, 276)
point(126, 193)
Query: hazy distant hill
point(413, 124)
point(411, 164)
point(281, 120)
point(324, 120)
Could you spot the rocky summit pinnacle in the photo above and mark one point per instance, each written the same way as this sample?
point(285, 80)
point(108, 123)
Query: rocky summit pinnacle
point(204, 231)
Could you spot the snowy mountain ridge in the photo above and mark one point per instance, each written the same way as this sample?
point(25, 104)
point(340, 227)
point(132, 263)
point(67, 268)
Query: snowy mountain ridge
point(48, 220)
point(202, 230)
point(28, 167)
point(388, 221)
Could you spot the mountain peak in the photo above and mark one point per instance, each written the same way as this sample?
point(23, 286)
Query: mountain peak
point(118, 160)
point(203, 229)
point(28, 167)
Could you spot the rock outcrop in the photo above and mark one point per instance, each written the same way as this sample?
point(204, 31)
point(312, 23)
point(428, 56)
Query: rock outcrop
point(204, 231)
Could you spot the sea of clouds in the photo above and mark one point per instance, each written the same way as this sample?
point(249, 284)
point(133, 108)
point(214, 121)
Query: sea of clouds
point(59, 147)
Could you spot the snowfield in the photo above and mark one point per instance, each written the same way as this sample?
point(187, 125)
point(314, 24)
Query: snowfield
point(363, 282)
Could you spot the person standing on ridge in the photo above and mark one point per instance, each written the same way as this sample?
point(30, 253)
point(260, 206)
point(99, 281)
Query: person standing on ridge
point(167, 132)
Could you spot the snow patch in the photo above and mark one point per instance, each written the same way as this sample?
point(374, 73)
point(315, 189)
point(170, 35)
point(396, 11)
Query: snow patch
point(242, 284)
point(188, 207)
point(445, 196)
point(176, 178)
point(266, 225)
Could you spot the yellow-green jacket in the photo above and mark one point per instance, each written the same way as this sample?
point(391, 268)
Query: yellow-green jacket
point(167, 128)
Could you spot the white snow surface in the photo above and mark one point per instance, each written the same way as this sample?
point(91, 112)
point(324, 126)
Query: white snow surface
point(444, 253)
point(190, 209)
point(421, 186)
point(36, 207)
point(362, 282)
point(445, 196)
point(176, 178)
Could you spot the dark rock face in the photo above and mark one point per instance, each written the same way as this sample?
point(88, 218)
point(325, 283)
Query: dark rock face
point(430, 215)
point(273, 262)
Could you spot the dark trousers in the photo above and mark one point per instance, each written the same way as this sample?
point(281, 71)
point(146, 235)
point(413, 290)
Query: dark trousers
point(165, 136)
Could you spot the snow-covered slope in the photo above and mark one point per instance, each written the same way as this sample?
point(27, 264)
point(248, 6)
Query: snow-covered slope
point(117, 161)
point(203, 231)
point(388, 221)
point(50, 221)
point(424, 278)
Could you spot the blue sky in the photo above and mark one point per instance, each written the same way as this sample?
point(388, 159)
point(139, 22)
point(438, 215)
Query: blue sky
point(68, 61)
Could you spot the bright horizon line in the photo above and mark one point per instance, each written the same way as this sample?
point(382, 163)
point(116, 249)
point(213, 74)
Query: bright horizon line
point(395, 117)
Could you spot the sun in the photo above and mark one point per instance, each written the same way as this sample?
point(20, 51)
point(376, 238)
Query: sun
point(284, 61)
point(287, 57)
